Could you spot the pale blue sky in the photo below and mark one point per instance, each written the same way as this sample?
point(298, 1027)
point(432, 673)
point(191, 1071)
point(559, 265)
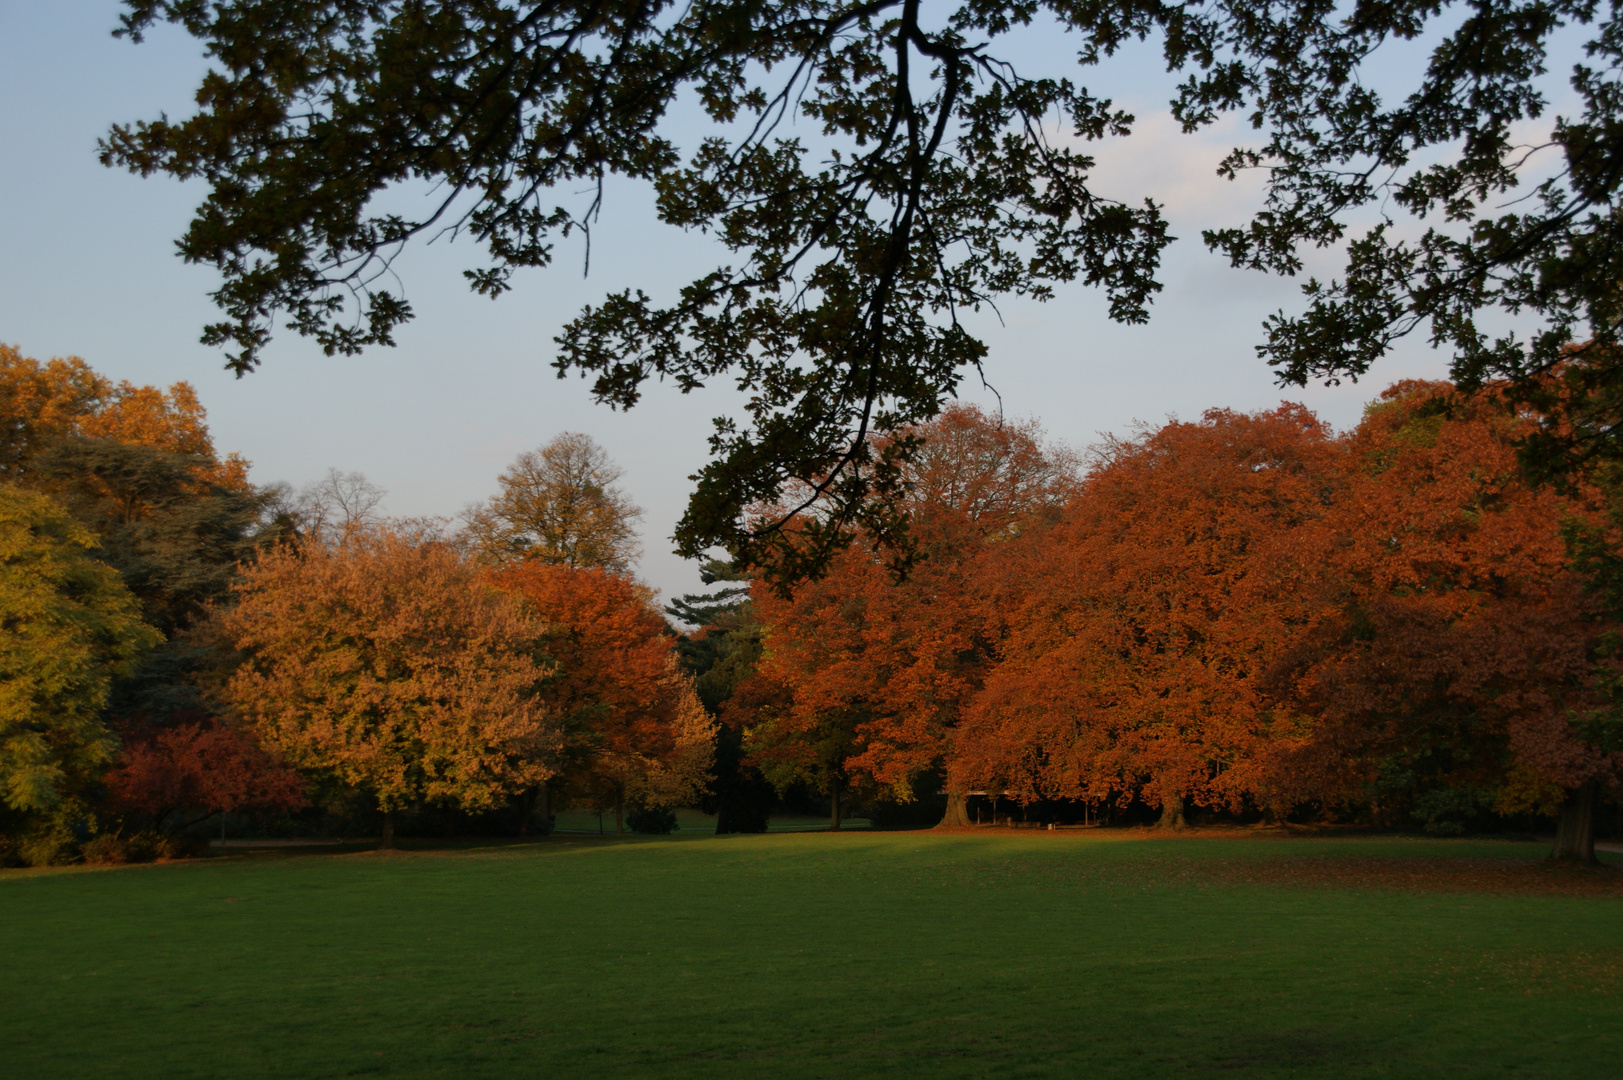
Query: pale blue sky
point(87, 268)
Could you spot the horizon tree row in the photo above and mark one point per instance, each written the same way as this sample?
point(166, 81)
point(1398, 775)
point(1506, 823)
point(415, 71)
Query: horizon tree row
point(181, 644)
point(1248, 613)
point(1244, 612)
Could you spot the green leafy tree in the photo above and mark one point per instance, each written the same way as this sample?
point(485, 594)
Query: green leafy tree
point(176, 536)
point(721, 654)
point(933, 181)
point(136, 466)
point(68, 627)
point(878, 168)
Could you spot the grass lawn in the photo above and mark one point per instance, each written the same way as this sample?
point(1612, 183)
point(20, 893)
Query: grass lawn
point(1008, 954)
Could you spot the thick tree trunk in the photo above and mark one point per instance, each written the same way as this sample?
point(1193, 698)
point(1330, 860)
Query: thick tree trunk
point(387, 844)
point(834, 804)
point(1575, 828)
point(957, 815)
point(1172, 812)
point(619, 812)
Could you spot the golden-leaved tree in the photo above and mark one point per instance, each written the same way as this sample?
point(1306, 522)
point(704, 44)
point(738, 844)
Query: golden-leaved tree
point(388, 661)
point(559, 505)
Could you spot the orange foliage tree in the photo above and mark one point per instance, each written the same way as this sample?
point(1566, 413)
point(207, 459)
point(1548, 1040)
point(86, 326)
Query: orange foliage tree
point(1467, 643)
point(387, 661)
point(43, 403)
point(635, 730)
point(864, 678)
point(137, 466)
point(1145, 627)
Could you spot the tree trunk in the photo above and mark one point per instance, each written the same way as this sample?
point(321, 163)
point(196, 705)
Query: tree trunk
point(1575, 828)
point(957, 815)
point(526, 807)
point(543, 806)
point(834, 804)
point(1172, 812)
point(619, 812)
point(387, 843)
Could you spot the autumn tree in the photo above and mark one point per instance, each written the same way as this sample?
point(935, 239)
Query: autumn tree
point(137, 466)
point(877, 670)
point(386, 661)
point(559, 505)
point(1145, 628)
point(181, 775)
point(635, 730)
point(1468, 658)
point(43, 404)
point(69, 628)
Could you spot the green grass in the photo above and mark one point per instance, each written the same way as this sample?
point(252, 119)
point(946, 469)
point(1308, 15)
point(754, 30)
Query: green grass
point(812, 955)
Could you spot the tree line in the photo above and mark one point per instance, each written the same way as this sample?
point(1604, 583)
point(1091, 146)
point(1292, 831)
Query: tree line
point(181, 644)
point(1246, 614)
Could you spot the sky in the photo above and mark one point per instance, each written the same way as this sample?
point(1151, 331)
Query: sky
point(88, 268)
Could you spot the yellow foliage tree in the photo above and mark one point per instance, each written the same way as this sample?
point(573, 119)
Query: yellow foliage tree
point(386, 661)
point(559, 505)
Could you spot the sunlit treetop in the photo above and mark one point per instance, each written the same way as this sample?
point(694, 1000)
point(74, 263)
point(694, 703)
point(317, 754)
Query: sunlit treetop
point(42, 404)
point(933, 178)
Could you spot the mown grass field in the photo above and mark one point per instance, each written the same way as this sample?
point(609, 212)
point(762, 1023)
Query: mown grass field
point(822, 955)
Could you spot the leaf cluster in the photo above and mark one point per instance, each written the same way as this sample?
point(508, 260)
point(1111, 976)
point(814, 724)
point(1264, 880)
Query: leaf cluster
point(934, 182)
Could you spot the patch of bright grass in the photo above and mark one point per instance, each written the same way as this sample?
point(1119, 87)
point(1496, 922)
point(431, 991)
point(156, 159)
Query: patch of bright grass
point(812, 955)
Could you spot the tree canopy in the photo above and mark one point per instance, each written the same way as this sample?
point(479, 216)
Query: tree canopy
point(634, 728)
point(871, 674)
point(67, 627)
point(1143, 630)
point(559, 504)
point(1247, 614)
point(879, 168)
point(42, 404)
point(386, 661)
